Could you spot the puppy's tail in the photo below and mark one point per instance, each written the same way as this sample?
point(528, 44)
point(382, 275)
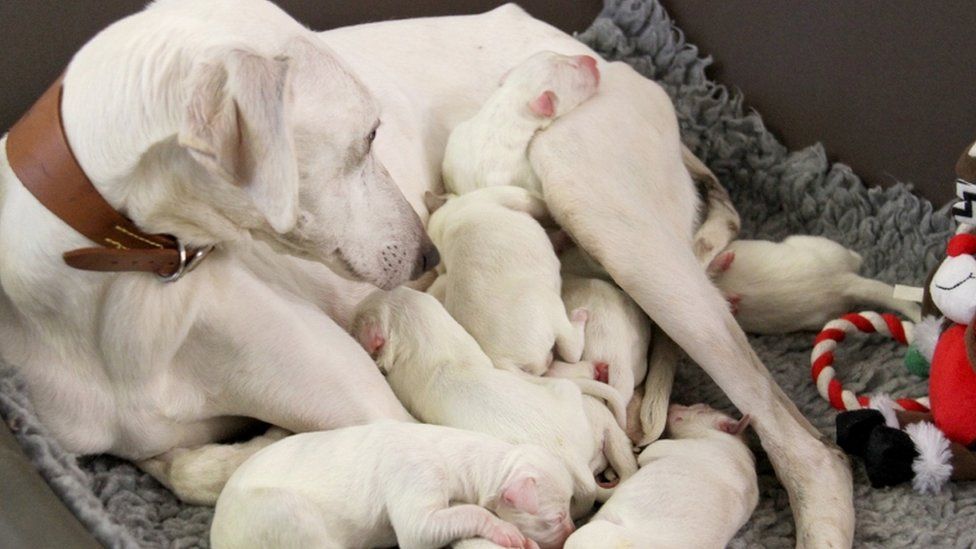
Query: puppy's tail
point(868, 291)
point(657, 386)
point(606, 393)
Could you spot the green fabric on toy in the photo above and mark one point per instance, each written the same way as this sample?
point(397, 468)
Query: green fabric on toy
point(915, 362)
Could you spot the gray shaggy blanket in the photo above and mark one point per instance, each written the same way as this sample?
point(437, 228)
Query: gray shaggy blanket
point(777, 191)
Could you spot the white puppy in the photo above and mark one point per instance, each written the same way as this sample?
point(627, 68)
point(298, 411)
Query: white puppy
point(490, 148)
point(694, 491)
point(797, 284)
point(617, 335)
point(441, 375)
point(502, 284)
point(419, 486)
point(503, 280)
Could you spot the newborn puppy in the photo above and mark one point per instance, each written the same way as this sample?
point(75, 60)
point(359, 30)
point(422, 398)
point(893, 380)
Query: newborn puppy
point(696, 490)
point(491, 148)
point(441, 375)
point(797, 284)
point(617, 335)
point(503, 280)
point(379, 485)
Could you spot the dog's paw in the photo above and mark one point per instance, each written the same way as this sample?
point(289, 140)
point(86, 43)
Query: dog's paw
point(579, 315)
point(506, 534)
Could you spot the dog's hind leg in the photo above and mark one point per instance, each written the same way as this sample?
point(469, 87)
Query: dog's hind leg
point(631, 206)
point(570, 334)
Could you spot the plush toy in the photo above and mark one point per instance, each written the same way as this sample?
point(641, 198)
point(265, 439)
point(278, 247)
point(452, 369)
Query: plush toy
point(931, 447)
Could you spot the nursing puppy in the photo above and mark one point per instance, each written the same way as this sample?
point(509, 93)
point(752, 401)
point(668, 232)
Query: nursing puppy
point(617, 335)
point(797, 284)
point(490, 148)
point(441, 375)
point(696, 490)
point(503, 281)
point(419, 486)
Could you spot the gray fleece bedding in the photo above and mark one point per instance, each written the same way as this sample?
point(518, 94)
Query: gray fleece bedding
point(777, 191)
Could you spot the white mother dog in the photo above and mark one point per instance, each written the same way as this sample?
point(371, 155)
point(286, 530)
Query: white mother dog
point(125, 364)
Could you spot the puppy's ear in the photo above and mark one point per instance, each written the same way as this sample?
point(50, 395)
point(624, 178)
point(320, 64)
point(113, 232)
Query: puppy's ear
point(236, 126)
point(371, 337)
point(434, 201)
point(544, 105)
point(733, 427)
point(720, 263)
point(522, 493)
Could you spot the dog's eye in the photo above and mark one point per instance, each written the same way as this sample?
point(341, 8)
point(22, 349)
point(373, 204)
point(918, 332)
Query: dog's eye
point(371, 136)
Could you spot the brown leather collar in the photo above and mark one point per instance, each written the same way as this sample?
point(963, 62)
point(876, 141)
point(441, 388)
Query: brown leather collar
point(40, 156)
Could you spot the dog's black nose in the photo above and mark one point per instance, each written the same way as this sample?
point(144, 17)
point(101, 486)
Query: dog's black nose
point(429, 258)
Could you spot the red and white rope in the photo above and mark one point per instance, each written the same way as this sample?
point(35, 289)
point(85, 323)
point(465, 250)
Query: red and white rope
point(822, 357)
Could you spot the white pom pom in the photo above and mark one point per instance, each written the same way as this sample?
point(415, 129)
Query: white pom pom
point(931, 467)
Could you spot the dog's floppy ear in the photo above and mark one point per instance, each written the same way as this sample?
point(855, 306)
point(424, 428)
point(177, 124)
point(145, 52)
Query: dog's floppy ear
point(434, 201)
point(371, 337)
point(236, 126)
point(733, 427)
point(522, 494)
point(544, 105)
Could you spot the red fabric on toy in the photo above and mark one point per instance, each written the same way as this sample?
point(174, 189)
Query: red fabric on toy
point(962, 244)
point(952, 387)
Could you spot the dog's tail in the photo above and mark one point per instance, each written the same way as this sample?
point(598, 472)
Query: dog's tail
point(606, 393)
point(872, 292)
point(720, 221)
point(657, 386)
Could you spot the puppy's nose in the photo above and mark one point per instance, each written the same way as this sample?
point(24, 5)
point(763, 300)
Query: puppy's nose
point(429, 258)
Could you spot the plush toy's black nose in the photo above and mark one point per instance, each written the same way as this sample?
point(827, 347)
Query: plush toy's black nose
point(428, 259)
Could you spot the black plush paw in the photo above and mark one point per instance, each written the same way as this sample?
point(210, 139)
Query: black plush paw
point(854, 427)
point(888, 457)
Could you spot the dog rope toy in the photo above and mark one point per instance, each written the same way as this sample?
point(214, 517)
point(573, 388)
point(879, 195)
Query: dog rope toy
point(822, 357)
